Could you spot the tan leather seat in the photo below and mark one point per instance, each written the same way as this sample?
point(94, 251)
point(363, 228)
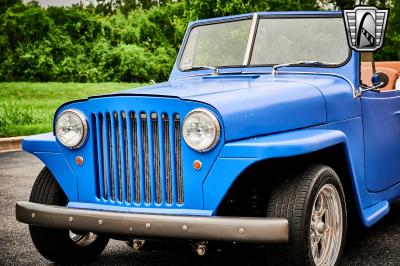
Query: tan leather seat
point(391, 69)
point(390, 64)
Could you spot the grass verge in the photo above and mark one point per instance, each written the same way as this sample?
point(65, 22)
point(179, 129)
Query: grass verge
point(28, 108)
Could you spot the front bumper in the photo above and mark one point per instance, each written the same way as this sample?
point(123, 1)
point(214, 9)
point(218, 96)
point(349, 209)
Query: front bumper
point(260, 230)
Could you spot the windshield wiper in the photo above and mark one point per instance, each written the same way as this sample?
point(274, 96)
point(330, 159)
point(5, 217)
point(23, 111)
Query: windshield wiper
point(213, 68)
point(312, 63)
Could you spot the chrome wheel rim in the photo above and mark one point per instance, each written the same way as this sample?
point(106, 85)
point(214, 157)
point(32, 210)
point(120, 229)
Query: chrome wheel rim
point(326, 226)
point(82, 239)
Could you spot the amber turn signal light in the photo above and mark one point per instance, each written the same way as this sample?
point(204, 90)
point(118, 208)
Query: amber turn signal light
point(79, 160)
point(197, 164)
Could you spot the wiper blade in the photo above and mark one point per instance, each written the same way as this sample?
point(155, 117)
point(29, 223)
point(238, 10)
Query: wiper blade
point(312, 63)
point(213, 68)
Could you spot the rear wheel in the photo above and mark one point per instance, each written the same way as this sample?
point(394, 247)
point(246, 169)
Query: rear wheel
point(314, 204)
point(61, 246)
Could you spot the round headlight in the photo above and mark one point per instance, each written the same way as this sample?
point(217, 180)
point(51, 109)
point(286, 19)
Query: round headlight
point(71, 129)
point(201, 130)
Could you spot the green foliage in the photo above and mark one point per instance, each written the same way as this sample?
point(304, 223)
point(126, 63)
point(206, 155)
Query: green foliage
point(4, 4)
point(78, 44)
point(127, 40)
point(11, 113)
point(391, 47)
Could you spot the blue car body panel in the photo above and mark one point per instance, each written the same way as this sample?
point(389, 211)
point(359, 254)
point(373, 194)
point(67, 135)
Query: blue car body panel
point(235, 157)
point(246, 105)
point(381, 117)
point(301, 110)
point(45, 147)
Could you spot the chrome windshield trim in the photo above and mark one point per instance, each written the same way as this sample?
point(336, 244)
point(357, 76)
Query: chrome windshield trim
point(257, 16)
point(250, 41)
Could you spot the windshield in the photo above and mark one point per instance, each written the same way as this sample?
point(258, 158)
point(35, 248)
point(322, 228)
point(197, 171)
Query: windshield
point(222, 44)
point(277, 41)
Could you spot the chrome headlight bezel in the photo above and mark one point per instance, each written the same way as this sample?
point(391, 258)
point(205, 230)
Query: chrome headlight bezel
point(84, 125)
point(217, 127)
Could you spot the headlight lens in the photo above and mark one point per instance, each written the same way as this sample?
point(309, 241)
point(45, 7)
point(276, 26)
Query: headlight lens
point(201, 130)
point(71, 129)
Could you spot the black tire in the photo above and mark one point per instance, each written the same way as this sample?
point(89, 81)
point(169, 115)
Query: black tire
point(54, 244)
point(294, 200)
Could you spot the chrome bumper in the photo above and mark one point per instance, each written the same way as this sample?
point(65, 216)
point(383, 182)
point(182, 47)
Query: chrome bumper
point(261, 230)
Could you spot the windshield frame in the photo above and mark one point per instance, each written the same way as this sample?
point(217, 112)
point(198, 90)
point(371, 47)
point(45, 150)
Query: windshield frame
point(256, 17)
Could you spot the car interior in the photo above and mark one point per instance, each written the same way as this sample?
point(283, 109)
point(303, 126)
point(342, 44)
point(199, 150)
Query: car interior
point(390, 68)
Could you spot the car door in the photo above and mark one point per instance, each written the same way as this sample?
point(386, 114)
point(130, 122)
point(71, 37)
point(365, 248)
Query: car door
point(381, 123)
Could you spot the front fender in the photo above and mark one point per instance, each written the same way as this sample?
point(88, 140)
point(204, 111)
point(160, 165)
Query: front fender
point(45, 147)
point(235, 157)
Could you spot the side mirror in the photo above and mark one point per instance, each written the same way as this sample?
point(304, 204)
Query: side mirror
point(379, 80)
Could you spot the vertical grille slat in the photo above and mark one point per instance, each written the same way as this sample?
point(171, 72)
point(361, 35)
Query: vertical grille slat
point(118, 137)
point(145, 150)
point(129, 159)
point(173, 162)
point(139, 157)
point(136, 157)
point(178, 158)
point(122, 160)
point(99, 153)
point(151, 181)
point(162, 159)
point(152, 129)
point(108, 156)
point(115, 156)
point(156, 160)
point(168, 163)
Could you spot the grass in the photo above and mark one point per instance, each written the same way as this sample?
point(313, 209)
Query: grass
point(28, 108)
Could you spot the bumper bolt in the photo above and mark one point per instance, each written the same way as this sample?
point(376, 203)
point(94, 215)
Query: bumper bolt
point(137, 244)
point(201, 248)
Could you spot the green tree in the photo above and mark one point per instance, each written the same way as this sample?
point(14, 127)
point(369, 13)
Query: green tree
point(107, 7)
point(4, 4)
point(391, 47)
point(128, 40)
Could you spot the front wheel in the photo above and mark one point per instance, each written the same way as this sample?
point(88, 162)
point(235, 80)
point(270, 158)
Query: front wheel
point(314, 204)
point(61, 246)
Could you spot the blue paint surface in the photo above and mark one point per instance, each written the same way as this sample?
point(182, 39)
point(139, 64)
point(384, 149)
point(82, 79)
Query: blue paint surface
point(301, 110)
point(382, 143)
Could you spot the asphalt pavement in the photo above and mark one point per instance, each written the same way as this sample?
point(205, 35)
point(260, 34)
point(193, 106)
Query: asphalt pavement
point(379, 245)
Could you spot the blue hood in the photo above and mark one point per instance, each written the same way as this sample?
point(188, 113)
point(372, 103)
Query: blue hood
point(250, 105)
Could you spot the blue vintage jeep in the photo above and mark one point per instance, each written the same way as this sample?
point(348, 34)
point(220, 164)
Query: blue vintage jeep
point(240, 145)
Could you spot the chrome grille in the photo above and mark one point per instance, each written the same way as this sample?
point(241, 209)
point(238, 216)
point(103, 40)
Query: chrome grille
point(145, 154)
point(156, 150)
point(178, 158)
point(138, 157)
point(167, 152)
